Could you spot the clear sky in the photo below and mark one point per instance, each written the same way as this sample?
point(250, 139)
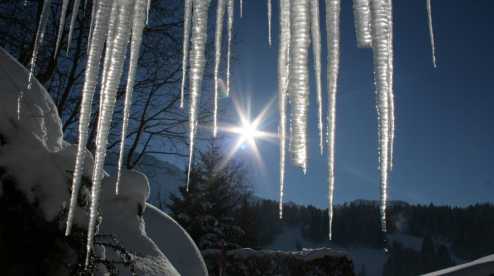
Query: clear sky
point(444, 146)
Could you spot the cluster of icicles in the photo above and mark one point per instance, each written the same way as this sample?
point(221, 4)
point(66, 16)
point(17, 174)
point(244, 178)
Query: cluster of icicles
point(114, 22)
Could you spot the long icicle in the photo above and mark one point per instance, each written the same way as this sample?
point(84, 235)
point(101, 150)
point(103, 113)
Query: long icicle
point(93, 15)
point(429, 13)
point(361, 11)
point(75, 10)
point(90, 77)
point(299, 81)
point(283, 60)
point(140, 15)
point(229, 45)
point(316, 52)
point(390, 85)
point(118, 51)
point(333, 9)
point(39, 39)
point(197, 62)
point(241, 7)
point(269, 22)
point(220, 17)
point(61, 27)
point(380, 28)
point(187, 20)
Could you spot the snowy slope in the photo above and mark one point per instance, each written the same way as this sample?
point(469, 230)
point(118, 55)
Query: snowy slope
point(481, 267)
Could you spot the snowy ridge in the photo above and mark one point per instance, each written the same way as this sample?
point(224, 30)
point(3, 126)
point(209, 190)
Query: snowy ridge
point(305, 255)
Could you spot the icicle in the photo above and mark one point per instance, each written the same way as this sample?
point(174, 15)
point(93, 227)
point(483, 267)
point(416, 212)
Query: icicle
point(110, 35)
point(283, 61)
point(333, 32)
point(140, 14)
point(39, 39)
point(197, 62)
point(147, 13)
point(390, 85)
point(229, 52)
point(316, 52)
point(93, 15)
point(241, 5)
point(299, 82)
point(187, 19)
point(19, 98)
point(269, 22)
point(65, 3)
point(362, 23)
point(75, 10)
point(91, 75)
point(379, 23)
point(431, 32)
point(220, 17)
point(118, 51)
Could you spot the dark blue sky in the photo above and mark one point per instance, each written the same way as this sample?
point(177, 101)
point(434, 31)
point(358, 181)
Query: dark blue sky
point(444, 147)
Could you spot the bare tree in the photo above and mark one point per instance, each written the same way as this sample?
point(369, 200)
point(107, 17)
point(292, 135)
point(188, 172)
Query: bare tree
point(157, 125)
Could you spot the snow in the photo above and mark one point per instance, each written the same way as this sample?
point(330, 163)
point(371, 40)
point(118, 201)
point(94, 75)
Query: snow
point(481, 267)
point(37, 158)
point(174, 242)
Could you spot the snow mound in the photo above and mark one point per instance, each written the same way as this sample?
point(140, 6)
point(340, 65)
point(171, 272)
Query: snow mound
point(38, 117)
point(481, 267)
point(174, 242)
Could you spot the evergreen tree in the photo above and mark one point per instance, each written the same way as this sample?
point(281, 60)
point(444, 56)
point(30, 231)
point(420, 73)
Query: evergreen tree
point(427, 255)
point(211, 210)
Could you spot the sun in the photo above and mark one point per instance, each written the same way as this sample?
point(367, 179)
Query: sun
point(248, 132)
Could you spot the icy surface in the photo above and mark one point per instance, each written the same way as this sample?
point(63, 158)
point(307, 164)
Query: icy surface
point(380, 45)
point(431, 32)
point(197, 62)
point(316, 51)
point(283, 59)
point(298, 86)
point(91, 73)
point(187, 20)
point(218, 36)
point(333, 29)
point(140, 15)
point(361, 11)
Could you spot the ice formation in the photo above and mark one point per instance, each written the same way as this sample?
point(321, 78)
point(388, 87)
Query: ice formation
point(431, 32)
point(197, 62)
point(187, 20)
point(75, 10)
point(269, 22)
point(91, 73)
point(140, 14)
point(283, 59)
point(380, 44)
point(65, 3)
point(316, 51)
point(229, 45)
point(298, 82)
point(220, 17)
point(333, 29)
point(361, 11)
point(39, 38)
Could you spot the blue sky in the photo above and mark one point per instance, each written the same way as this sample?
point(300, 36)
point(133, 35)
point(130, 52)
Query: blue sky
point(444, 147)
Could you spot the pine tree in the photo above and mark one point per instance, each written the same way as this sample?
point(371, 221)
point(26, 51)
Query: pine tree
point(211, 210)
